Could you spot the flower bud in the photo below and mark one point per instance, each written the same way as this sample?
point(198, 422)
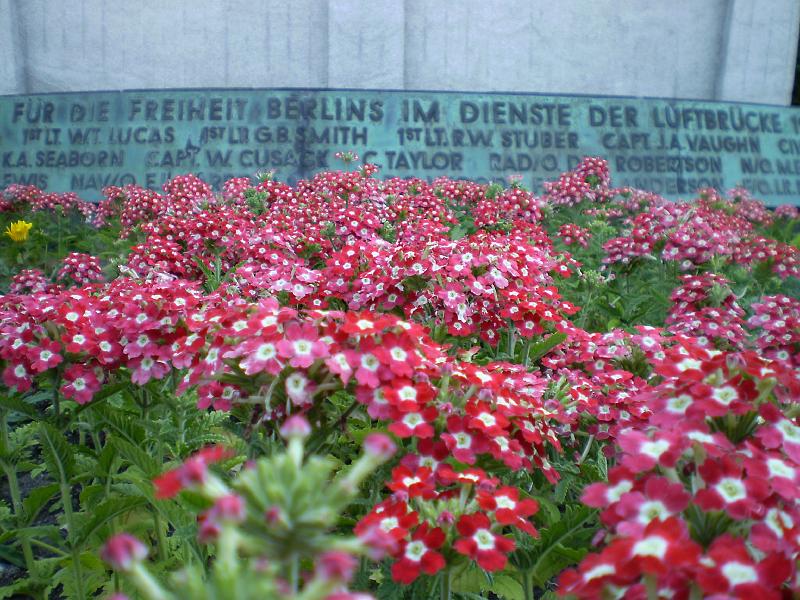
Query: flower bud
point(335, 565)
point(273, 515)
point(229, 508)
point(209, 530)
point(445, 518)
point(122, 551)
point(378, 543)
point(380, 446)
point(295, 426)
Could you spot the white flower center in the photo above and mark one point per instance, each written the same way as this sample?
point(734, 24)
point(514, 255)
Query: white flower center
point(398, 354)
point(484, 539)
point(415, 550)
point(389, 523)
point(599, 571)
point(654, 449)
point(653, 509)
point(505, 502)
point(725, 395)
point(487, 419)
point(738, 573)
point(651, 546)
point(778, 468)
point(614, 493)
point(731, 490)
point(413, 419)
point(302, 347)
point(265, 351)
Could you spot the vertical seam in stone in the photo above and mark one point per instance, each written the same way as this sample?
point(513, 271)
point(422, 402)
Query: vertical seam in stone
point(19, 37)
point(331, 35)
point(792, 65)
point(406, 33)
point(722, 63)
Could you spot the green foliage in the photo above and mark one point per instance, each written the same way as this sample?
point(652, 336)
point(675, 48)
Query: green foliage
point(563, 543)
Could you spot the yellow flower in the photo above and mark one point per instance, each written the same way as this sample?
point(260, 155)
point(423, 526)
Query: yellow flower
point(19, 231)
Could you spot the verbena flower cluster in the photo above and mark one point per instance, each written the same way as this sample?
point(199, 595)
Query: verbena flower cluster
point(461, 320)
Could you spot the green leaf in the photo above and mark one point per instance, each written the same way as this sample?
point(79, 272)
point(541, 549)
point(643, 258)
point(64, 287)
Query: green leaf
point(57, 453)
point(148, 465)
point(469, 580)
point(124, 425)
point(537, 351)
point(559, 546)
point(103, 514)
point(17, 404)
point(21, 588)
point(507, 587)
point(12, 556)
point(37, 499)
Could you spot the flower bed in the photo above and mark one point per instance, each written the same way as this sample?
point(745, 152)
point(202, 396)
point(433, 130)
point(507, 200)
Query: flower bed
point(399, 388)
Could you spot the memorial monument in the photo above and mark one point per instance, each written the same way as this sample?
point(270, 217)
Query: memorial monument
point(517, 109)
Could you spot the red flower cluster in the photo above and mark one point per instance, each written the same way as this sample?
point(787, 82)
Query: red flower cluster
point(80, 269)
point(714, 445)
point(437, 513)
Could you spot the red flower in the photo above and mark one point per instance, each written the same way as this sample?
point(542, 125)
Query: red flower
point(392, 517)
point(642, 452)
point(302, 345)
point(732, 572)
point(45, 356)
point(727, 489)
point(122, 551)
point(192, 472)
point(662, 546)
point(420, 555)
point(409, 484)
point(417, 424)
point(509, 509)
point(482, 545)
point(80, 383)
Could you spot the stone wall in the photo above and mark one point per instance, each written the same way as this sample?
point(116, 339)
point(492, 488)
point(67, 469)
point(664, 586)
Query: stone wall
point(741, 50)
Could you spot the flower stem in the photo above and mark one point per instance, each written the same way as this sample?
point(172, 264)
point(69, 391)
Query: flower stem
point(447, 583)
point(162, 539)
point(527, 585)
point(13, 489)
point(294, 573)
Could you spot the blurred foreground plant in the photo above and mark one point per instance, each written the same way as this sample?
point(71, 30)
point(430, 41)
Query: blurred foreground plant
point(271, 528)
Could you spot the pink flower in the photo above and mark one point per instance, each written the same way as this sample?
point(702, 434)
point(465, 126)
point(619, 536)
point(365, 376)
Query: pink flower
point(488, 549)
point(301, 345)
point(122, 551)
point(80, 383)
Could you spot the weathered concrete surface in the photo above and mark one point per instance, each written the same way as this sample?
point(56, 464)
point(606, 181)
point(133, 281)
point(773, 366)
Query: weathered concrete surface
point(760, 49)
point(624, 47)
point(708, 49)
point(12, 51)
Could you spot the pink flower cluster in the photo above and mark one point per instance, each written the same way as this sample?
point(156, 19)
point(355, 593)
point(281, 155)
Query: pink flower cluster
point(713, 449)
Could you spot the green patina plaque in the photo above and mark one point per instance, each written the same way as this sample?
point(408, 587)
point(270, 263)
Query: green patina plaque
point(85, 141)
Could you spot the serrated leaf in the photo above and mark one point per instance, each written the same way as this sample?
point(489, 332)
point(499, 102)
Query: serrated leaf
point(537, 351)
point(149, 466)
point(36, 499)
point(57, 453)
point(17, 404)
point(11, 556)
point(507, 587)
point(21, 588)
point(558, 546)
point(122, 424)
point(103, 514)
point(106, 459)
point(469, 580)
